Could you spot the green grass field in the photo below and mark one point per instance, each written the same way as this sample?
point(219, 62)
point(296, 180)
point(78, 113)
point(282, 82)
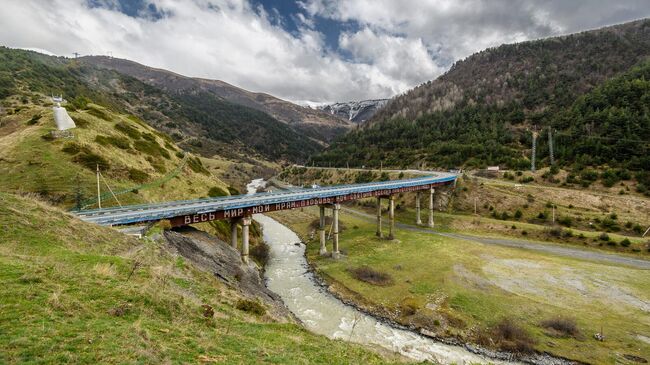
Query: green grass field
point(77, 293)
point(459, 288)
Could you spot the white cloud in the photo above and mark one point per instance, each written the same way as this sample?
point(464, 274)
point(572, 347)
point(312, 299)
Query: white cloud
point(399, 44)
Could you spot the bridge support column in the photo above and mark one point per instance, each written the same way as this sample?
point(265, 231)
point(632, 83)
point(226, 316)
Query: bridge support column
point(379, 217)
point(431, 191)
point(321, 231)
point(246, 222)
point(335, 249)
point(233, 233)
point(391, 217)
point(418, 197)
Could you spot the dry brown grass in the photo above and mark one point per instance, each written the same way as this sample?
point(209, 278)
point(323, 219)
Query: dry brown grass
point(507, 335)
point(561, 327)
point(371, 276)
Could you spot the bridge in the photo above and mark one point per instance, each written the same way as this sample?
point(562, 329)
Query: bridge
point(240, 208)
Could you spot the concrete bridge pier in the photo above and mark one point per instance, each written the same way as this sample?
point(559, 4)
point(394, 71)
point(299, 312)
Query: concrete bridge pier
point(379, 234)
point(431, 192)
point(418, 197)
point(391, 217)
point(233, 232)
point(335, 250)
point(321, 231)
point(246, 222)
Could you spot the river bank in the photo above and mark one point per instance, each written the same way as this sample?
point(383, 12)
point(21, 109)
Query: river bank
point(448, 278)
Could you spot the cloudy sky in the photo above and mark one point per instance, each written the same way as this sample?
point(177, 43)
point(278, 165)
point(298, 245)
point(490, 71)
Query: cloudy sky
point(305, 50)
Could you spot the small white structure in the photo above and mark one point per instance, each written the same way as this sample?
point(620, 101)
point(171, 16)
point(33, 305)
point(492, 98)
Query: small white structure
point(61, 117)
point(493, 168)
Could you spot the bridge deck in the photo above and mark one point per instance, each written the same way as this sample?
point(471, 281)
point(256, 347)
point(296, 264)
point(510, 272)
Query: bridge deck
point(201, 210)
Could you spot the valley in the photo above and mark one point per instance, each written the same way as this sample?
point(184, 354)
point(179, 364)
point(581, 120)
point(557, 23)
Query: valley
point(498, 213)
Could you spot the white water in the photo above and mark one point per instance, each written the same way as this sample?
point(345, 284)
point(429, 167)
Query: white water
point(287, 275)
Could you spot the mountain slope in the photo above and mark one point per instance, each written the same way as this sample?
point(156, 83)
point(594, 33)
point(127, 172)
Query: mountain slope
point(138, 163)
point(482, 111)
point(314, 123)
point(198, 121)
point(355, 111)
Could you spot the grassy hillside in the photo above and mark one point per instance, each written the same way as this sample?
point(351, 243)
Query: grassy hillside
point(79, 293)
point(199, 121)
point(482, 112)
point(131, 156)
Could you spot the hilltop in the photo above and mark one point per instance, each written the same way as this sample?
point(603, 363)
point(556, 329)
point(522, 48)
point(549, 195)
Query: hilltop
point(589, 88)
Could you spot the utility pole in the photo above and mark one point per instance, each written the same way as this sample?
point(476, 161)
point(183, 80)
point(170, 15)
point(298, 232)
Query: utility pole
point(550, 146)
point(76, 54)
point(99, 196)
point(475, 202)
point(553, 213)
point(532, 161)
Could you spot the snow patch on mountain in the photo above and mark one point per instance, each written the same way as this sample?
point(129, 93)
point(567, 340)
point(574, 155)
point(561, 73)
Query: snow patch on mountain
point(355, 111)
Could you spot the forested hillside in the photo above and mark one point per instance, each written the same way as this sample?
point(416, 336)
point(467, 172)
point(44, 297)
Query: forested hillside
point(197, 121)
point(589, 88)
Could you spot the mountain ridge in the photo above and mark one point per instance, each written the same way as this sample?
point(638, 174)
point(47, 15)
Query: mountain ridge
point(316, 124)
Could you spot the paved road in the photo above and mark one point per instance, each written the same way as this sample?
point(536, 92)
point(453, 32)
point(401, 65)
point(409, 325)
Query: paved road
point(535, 246)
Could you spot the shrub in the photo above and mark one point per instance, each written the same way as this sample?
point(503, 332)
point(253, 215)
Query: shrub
point(80, 122)
point(541, 215)
point(527, 179)
point(408, 307)
point(625, 242)
point(128, 130)
point(261, 253)
point(555, 232)
point(91, 160)
point(151, 148)
point(233, 191)
point(368, 275)
point(565, 221)
point(505, 216)
point(250, 306)
point(518, 214)
point(98, 112)
point(138, 176)
point(71, 148)
point(197, 166)
point(511, 337)
point(603, 237)
point(119, 142)
point(561, 327)
point(609, 224)
point(524, 233)
point(34, 119)
point(216, 191)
